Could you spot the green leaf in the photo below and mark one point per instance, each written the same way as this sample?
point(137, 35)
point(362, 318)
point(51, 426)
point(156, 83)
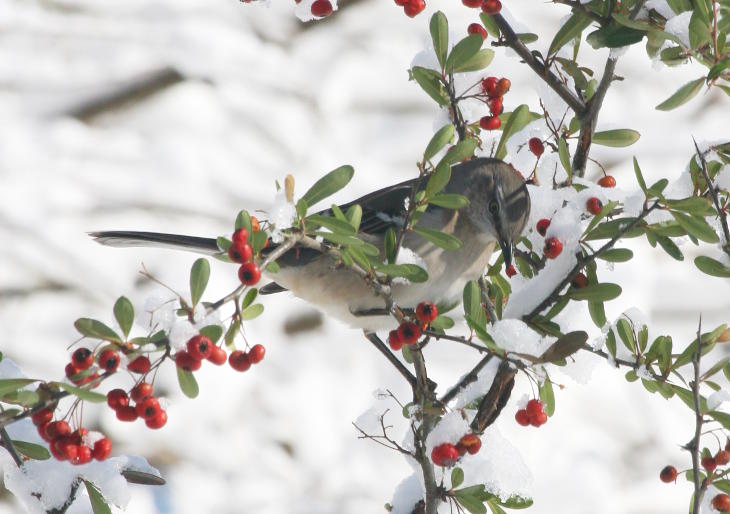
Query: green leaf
point(670, 247)
point(252, 311)
point(609, 229)
point(697, 205)
point(32, 450)
point(354, 216)
point(614, 36)
point(98, 502)
point(258, 240)
point(390, 245)
point(516, 502)
point(712, 267)
point(223, 243)
point(471, 504)
point(441, 138)
point(199, 275)
point(440, 239)
point(411, 272)
point(547, 395)
point(478, 61)
point(328, 185)
point(442, 323)
point(82, 393)
point(301, 208)
point(572, 28)
point(572, 69)
point(457, 477)
point(696, 227)
point(564, 347)
point(657, 188)
point(438, 180)
point(490, 25)
point(596, 292)
point(449, 200)
point(462, 52)
point(617, 138)
point(459, 152)
point(243, 220)
point(9, 385)
point(519, 118)
point(633, 24)
point(214, 332)
point(249, 298)
point(699, 30)
point(24, 398)
point(626, 334)
point(564, 155)
point(605, 211)
point(335, 225)
point(598, 313)
point(439, 27)
point(124, 313)
point(616, 255)
point(472, 298)
point(430, 82)
point(639, 176)
point(92, 328)
point(339, 238)
point(527, 37)
point(683, 95)
point(188, 384)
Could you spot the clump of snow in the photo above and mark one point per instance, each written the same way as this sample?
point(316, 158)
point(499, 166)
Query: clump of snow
point(480, 386)
point(282, 215)
point(662, 7)
point(449, 429)
point(717, 398)
point(516, 336)
point(409, 492)
point(679, 26)
point(369, 421)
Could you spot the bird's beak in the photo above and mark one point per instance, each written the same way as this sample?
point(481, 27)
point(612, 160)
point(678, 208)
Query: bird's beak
point(505, 242)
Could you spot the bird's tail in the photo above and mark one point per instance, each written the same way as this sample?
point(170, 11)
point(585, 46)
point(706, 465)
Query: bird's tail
point(126, 238)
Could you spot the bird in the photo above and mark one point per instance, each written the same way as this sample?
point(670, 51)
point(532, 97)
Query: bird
point(496, 215)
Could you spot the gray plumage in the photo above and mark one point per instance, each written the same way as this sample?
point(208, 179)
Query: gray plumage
point(499, 206)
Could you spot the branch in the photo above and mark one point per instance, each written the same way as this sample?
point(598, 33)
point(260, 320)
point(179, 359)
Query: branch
point(373, 338)
point(69, 501)
point(582, 261)
point(495, 399)
point(7, 443)
point(715, 199)
point(694, 445)
point(511, 40)
point(467, 379)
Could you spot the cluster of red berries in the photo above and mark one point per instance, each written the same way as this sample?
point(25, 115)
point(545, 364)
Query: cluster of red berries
point(411, 7)
point(490, 7)
point(536, 146)
point(409, 332)
point(721, 458)
point(200, 348)
point(553, 245)
point(241, 361)
point(240, 251)
point(79, 371)
point(533, 414)
point(720, 502)
point(67, 444)
point(494, 89)
point(146, 406)
point(446, 454)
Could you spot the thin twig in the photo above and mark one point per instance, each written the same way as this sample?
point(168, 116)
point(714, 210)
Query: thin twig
point(399, 366)
point(694, 445)
point(467, 379)
point(7, 443)
point(715, 199)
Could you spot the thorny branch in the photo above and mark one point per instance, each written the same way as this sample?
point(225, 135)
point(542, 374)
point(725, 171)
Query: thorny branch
point(694, 445)
point(715, 199)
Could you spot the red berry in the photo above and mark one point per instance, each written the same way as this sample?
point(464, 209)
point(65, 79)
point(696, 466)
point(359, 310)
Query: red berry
point(414, 7)
point(240, 236)
point(42, 416)
point(321, 9)
point(489, 86)
point(72, 372)
point(471, 442)
point(140, 365)
point(533, 408)
point(491, 7)
point(511, 271)
point(709, 464)
point(77, 436)
point(476, 28)
point(445, 454)
point(257, 353)
point(147, 407)
point(199, 347)
point(722, 457)
point(542, 226)
point(594, 205)
point(553, 247)
point(472, 3)
point(102, 448)
point(495, 105)
point(58, 429)
point(721, 502)
point(157, 421)
point(503, 84)
point(83, 455)
point(579, 281)
point(239, 360)
point(668, 474)
point(426, 312)
point(249, 274)
point(186, 361)
point(607, 181)
point(141, 391)
point(42, 431)
point(409, 332)
point(117, 398)
point(536, 146)
point(240, 252)
point(539, 419)
point(522, 418)
point(126, 413)
point(394, 340)
point(490, 122)
point(217, 356)
point(82, 358)
point(401, 3)
point(67, 448)
point(109, 360)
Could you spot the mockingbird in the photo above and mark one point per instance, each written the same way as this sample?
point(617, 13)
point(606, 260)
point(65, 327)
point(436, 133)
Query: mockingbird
point(498, 209)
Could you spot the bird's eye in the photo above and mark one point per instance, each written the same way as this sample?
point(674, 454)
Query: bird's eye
point(493, 207)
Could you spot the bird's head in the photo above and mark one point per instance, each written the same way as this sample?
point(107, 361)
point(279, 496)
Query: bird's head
point(499, 204)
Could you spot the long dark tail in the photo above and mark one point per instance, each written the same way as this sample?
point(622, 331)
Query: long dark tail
point(127, 238)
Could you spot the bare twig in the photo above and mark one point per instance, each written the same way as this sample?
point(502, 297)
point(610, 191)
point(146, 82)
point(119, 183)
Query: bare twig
point(694, 445)
point(373, 338)
point(466, 380)
point(715, 199)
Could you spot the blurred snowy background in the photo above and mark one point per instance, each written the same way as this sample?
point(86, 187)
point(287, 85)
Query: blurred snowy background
point(244, 95)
